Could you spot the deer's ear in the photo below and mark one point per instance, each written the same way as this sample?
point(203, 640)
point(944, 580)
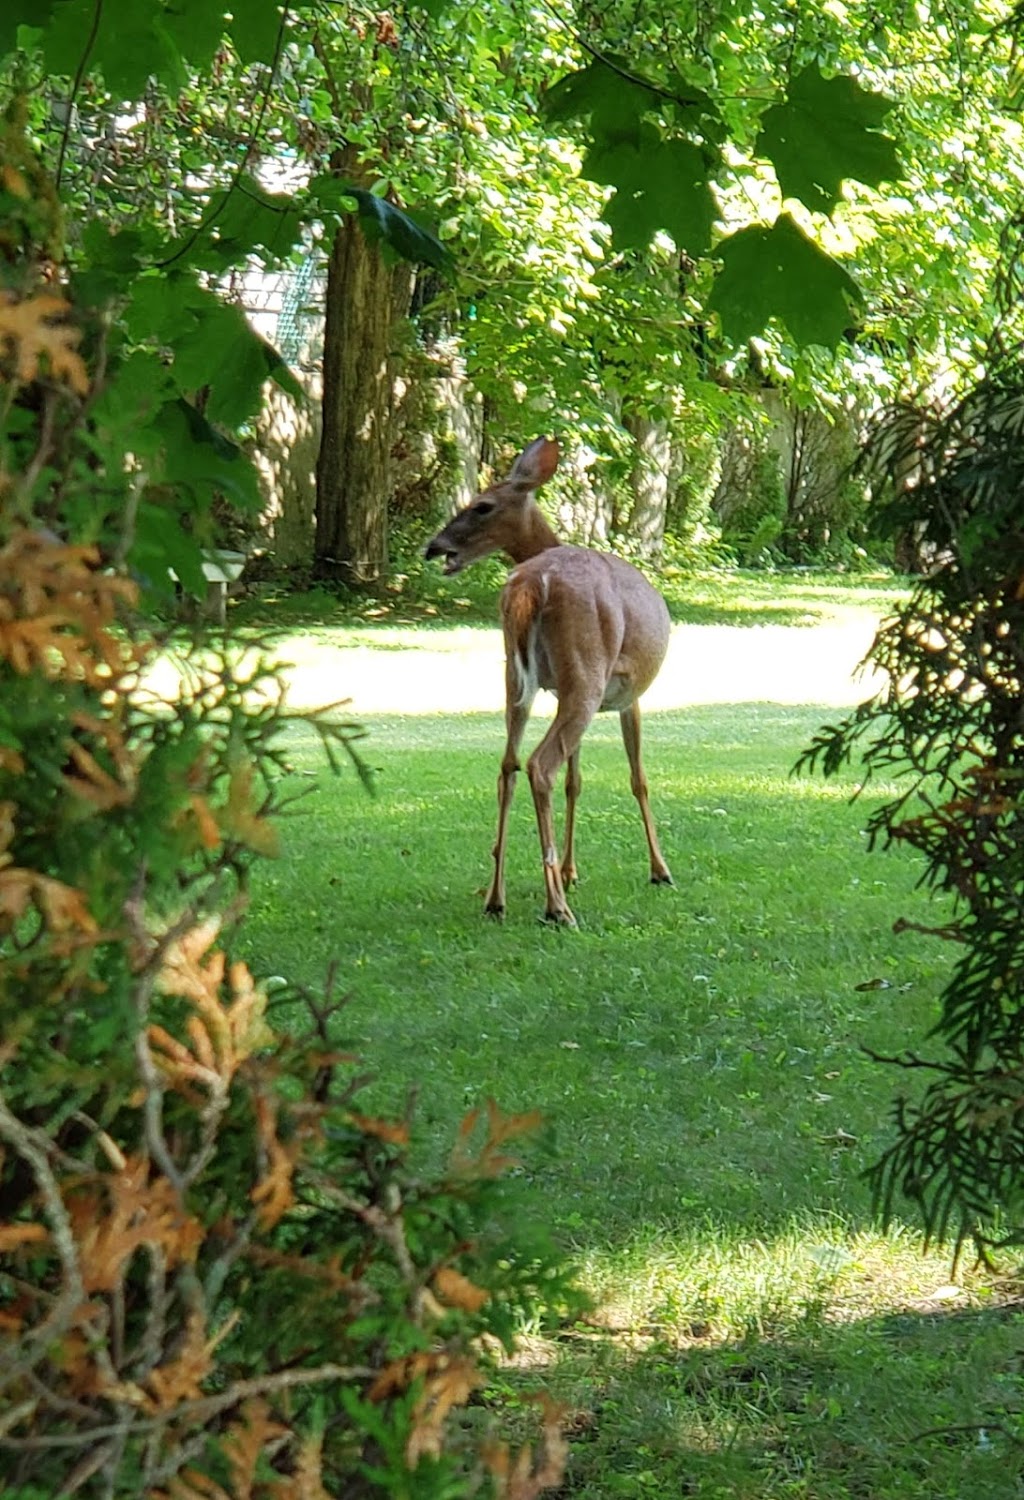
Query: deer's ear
point(536, 464)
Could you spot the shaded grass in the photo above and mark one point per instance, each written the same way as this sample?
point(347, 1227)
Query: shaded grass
point(696, 1052)
point(423, 597)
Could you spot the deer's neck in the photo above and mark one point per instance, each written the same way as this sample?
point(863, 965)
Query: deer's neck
point(535, 536)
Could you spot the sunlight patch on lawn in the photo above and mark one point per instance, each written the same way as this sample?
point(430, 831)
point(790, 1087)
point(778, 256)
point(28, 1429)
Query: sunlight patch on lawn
point(705, 1284)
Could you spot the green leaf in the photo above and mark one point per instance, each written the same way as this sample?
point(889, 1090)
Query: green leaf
point(614, 100)
point(197, 28)
point(827, 131)
point(248, 218)
point(161, 305)
point(381, 220)
point(202, 460)
point(780, 273)
point(280, 373)
point(255, 27)
point(161, 547)
point(128, 44)
point(15, 13)
point(659, 185)
point(219, 350)
point(134, 391)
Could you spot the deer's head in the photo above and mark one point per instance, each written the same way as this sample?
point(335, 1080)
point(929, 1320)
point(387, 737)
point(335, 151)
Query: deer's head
point(503, 517)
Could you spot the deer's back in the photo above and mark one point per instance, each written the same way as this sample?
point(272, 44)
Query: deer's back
point(593, 615)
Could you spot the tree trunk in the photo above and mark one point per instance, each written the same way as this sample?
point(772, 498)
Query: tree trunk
point(365, 301)
point(648, 483)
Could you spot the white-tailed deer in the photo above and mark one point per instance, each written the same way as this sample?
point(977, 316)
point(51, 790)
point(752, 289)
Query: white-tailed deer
point(583, 624)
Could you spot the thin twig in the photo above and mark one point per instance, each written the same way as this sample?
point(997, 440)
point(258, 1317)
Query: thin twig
point(26, 1143)
point(76, 83)
point(198, 1410)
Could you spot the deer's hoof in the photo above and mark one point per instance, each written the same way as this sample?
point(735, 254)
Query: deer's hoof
point(561, 919)
point(664, 878)
point(495, 910)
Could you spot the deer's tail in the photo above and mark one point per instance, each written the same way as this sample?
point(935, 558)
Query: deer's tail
point(521, 606)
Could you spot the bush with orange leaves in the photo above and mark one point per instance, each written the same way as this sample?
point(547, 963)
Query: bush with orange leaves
point(219, 1280)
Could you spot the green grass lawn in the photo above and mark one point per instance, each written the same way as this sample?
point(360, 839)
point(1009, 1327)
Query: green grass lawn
point(424, 597)
point(696, 1052)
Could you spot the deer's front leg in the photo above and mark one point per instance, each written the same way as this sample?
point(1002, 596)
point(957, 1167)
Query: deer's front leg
point(516, 715)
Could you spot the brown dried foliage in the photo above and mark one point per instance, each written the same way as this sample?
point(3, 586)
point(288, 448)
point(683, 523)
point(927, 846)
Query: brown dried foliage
point(114, 1332)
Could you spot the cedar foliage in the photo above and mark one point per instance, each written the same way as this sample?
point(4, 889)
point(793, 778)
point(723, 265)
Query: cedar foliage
point(950, 726)
point(219, 1278)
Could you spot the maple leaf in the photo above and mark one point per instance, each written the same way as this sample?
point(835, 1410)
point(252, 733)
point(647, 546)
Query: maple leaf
point(660, 184)
point(824, 132)
point(778, 272)
point(38, 344)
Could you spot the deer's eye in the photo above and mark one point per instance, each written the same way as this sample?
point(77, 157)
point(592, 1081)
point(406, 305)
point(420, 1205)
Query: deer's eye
point(483, 507)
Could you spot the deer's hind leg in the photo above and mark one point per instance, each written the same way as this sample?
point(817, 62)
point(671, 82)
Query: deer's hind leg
point(573, 783)
point(629, 718)
point(560, 744)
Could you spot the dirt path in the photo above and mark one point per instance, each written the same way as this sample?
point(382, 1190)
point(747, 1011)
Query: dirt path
point(461, 671)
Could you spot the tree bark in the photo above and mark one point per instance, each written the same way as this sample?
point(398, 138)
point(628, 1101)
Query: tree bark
point(366, 299)
point(648, 483)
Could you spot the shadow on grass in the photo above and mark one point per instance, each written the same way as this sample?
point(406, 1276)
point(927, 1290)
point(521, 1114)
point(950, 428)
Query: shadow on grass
point(890, 1407)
